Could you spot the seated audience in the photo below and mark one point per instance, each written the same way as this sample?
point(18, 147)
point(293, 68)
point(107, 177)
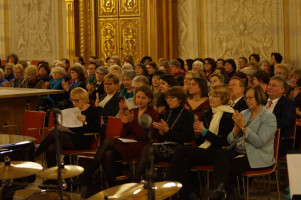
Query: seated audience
point(251, 144)
point(242, 63)
point(44, 71)
point(33, 80)
point(91, 79)
point(284, 71)
point(188, 64)
point(236, 88)
point(265, 66)
point(295, 76)
point(127, 66)
point(222, 71)
point(115, 69)
point(77, 77)
point(19, 81)
point(285, 111)
point(254, 58)
point(216, 79)
point(210, 134)
point(114, 149)
point(164, 66)
point(98, 87)
point(141, 70)
point(156, 83)
point(230, 67)
point(209, 67)
point(8, 71)
point(176, 68)
point(166, 81)
point(220, 63)
point(127, 77)
point(12, 58)
point(261, 78)
point(198, 67)
point(276, 58)
point(2, 78)
point(80, 60)
point(76, 140)
point(187, 79)
point(128, 59)
point(198, 101)
point(108, 103)
point(114, 60)
point(146, 59)
point(151, 68)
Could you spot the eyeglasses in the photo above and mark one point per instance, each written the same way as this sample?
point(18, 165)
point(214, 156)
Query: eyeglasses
point(248, 98)
point(75, 100)
point(169, 98)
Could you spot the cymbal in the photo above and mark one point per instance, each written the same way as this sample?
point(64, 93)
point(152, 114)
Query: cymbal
point(18, 169)
point(136, 191)
point(68, 171)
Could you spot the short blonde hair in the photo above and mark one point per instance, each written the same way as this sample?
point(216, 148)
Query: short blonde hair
point(112, 77)
point(222, 91)
point(220, 77)
point(285, 67)
point(31, 70)
point(82, 94)
point(297, 72)
point(194, 74)
point(116, 67)
point(18, 66)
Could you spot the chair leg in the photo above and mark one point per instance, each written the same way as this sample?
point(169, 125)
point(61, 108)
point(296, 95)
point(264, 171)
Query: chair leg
point(208, 181)
point(238, 186)
point(277, 182)
point(269, 186)
point(247, 188)
point(243, 186)
point(201, 189)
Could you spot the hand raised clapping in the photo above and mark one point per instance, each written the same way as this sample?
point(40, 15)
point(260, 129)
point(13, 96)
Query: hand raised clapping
point(162, 126)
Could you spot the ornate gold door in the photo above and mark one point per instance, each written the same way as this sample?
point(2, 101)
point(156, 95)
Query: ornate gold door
point(121, 28)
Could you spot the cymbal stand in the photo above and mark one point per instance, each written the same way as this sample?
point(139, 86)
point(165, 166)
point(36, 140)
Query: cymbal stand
point(149, 184)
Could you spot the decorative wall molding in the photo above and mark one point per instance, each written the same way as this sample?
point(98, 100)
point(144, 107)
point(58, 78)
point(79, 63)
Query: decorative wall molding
point(295, 33)
point(34, 29)
point(189, 28)
point(235, 28)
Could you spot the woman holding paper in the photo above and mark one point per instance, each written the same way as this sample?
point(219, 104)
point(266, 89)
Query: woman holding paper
point(112, 150)
point(90, 120)
point(210, 134)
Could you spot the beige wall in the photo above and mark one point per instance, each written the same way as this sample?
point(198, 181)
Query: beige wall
point(33, 29)
point(235, 28)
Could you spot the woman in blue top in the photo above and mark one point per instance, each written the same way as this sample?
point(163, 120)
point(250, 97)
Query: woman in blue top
point(127, 78)
point(2, 79)
point(251, 143)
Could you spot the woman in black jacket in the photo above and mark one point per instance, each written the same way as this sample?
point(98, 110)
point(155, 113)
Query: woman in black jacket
point(210, 134)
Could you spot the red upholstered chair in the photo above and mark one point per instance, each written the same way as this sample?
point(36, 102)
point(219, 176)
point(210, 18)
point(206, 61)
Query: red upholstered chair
point(33, 124)
point(114, 127)
point(266, 172)
point(3, 62)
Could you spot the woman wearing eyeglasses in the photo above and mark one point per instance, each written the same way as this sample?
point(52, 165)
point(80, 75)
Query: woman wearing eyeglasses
point(210, 134)
point(98, 87)
point(76, 140)
point(108, 104)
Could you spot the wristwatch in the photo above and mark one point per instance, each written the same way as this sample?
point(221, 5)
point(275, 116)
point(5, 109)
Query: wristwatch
point(243, 128)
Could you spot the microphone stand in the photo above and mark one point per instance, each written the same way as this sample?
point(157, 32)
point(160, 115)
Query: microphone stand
point(149, 170)
point(58, 153)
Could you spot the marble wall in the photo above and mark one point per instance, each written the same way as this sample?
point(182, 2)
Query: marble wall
point(235, 28)
point(35, 29)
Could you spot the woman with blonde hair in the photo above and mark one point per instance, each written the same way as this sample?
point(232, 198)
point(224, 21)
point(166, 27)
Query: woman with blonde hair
point(90, 119)
point(210, 134)
point(2, 78)
point(34, 81)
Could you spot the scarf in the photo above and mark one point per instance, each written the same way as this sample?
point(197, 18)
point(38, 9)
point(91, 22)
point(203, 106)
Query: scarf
point(214, 124)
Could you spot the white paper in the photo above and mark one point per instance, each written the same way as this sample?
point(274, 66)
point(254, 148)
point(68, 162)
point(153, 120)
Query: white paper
point(125, 140)
point(159, 143)
point(128, 104)
point(294, 166)
point(69, 118)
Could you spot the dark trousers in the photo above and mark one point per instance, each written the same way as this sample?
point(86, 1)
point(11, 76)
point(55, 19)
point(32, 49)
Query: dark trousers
point(48, 145)
point(106, 154)
point(227, 166)
point(183, 160)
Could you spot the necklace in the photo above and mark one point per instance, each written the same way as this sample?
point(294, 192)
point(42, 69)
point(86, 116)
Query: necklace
point(176, 118)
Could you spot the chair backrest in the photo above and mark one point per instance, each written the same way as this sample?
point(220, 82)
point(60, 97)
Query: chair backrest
point(114, 127)
point(33, 124)
point(276, 144)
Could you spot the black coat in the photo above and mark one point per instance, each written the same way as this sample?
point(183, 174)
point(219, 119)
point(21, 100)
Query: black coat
point(240, 105)
point(285, 112)
point(226, 125)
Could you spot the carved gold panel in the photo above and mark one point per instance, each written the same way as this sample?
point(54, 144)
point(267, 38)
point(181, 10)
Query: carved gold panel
point(130, 37)
point(108, 8)
point(108, 37)
point(129, 8)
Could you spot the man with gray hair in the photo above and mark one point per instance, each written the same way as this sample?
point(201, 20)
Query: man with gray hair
point(198, 67)
point(285, 111)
